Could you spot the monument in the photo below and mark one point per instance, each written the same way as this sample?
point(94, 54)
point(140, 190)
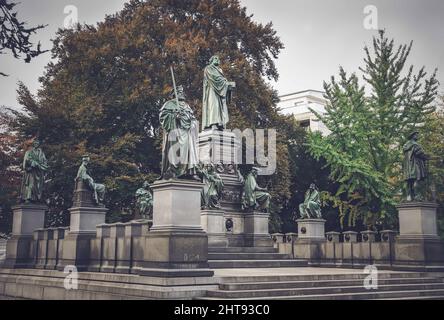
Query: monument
point(29, 214)
point(176, 244)
point(418, 242)
point(87, 212)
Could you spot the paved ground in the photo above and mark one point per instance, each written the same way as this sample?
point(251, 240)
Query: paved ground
point(286, 271)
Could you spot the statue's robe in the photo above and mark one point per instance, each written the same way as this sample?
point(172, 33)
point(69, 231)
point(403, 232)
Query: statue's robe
point(97, 188)
point(252, 197)
point(213, 186)
point(179, 153)
point(35, 166)
point(311, 206)
point(414, 167)
point(216, 95)
point(144, 200)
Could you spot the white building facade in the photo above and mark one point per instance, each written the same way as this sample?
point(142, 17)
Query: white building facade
point(298, 104)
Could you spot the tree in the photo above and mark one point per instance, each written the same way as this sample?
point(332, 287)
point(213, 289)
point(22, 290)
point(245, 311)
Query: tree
point(368, 130)
point(433, 143)
point(15, 36)
point(103, 93)
point(10, 156)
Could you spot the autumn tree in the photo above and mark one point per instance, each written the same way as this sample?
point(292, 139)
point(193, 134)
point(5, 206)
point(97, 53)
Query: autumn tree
point(103, 92)
point(15, 35)
point(369, 124)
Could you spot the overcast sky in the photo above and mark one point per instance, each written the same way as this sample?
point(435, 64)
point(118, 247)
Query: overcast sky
point(319, 35)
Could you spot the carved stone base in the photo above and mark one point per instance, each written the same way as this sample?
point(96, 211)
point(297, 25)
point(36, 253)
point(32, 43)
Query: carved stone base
point(256, 230)
point(311, 229)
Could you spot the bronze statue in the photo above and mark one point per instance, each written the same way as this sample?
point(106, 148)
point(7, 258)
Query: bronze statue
point(97, 189)
point(216, 95)
point(35, 167)
point(213, 186)
point(179, 155)
point(414, 165)
point(253, 196)
point(311, 208)
point(144, 201)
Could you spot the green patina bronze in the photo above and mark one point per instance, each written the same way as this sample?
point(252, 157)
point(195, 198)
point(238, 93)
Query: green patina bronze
point(97, 188)
point(311, 208)
point(216, 96)
point(144, 201)
point(179, 153)
point(35, 167)
point(253, 196)
point(213, 187)
point(414, 165)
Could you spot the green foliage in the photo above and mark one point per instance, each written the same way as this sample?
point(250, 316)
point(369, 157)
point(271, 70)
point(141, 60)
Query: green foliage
point(369, 124)
point(103, 92)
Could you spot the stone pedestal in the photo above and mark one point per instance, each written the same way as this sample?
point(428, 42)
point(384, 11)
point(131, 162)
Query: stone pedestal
point(176, 245)
point(256, 229)
point(26, 218)
point(213, 223)
point(418, 242)
point(311, 238)
point(77, 243)
point(218, 147)
point(311, 229)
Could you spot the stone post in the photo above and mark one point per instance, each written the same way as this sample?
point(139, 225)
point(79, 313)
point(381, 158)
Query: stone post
point(256, 229)
point(26, 218)
point(176, 245)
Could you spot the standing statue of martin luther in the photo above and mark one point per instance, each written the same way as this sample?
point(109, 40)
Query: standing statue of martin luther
point(216, 95)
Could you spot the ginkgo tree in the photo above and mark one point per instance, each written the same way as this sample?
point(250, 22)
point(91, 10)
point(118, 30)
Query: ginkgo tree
point(369, 120)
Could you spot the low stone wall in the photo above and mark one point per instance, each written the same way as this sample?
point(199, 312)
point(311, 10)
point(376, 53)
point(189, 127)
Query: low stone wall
point(116, 248)
point(348, 249)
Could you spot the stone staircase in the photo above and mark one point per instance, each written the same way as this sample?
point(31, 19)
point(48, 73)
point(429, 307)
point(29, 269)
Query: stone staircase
point(251, 257)
point(328, 286)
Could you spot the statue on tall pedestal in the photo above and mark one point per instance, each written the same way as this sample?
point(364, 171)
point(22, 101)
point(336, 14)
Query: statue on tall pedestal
point(144, 201)
point(179, 155)
point(97, 189)
point(35, 167)
point(213, 186)
point(311, 208)
point(253, 196)
point(216, 96)
point(414, 165)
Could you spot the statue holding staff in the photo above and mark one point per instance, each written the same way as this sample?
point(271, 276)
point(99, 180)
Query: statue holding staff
point(180, 158)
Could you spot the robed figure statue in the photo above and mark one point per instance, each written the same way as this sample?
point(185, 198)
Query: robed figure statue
point(144, 201)
point(180, 158)
point(253, 196)
point(213, 187)
point(311, 208)
point(216, 96)
point(414, 165)
point(35, 167)
point(98, 189)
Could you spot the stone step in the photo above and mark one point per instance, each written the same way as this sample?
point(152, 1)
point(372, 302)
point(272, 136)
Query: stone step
point(319, 277)
point(320, 283)
point(247, 256)
point(242, 249)
point(218, 264)
point(385, 295)
point(321, 291)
